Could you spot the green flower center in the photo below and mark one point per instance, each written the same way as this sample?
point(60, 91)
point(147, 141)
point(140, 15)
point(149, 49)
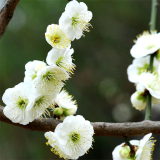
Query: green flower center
point(75, 20)
point(39, 101)
point(55, 39)
point(59, 61)
point(74, 137)
point(49, 76)
point(22, 103)
point(145, 67)
point(150, 47)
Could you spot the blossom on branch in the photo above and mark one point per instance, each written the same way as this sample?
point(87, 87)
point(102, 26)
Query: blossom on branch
point(32, 68)
point(72, 138)
point(75, 20)
point(62, 58)
point(138, 100)
point(151, 82)
point(39, 105)
point(146, 44)
point(17, 100)
point(56, 37)
point(145, 148)
point(50, 79)
point(124, 152)
point(65, 102)
point(138, 66)
point(136, 150)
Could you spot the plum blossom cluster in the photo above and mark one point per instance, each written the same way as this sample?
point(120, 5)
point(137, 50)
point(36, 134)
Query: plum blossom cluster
point(135, 150)
point(41, 94)
point(139, 72)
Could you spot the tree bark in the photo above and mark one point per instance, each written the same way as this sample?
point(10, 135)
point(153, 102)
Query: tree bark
point(6, 15)
point(100, 128)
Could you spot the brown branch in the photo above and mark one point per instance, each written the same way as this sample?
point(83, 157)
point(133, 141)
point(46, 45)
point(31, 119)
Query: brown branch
point(100, 128)
point(6, 14)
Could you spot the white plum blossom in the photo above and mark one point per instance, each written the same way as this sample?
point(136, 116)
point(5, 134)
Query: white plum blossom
point(142, 149)
point(122, 151)
point(140, 87)
point(75, 20)
point(32, 68)
point(146, 147)
point(64, 101)
point(138, 66)
point(56, 37)
point(39, 105)
point(62, 58)
point(72, 138)
point(142, 93)
point(147, 43)
point(138, 100)
point(151, 82)
point(50, 79)
point(53, 142)
point(17, 100)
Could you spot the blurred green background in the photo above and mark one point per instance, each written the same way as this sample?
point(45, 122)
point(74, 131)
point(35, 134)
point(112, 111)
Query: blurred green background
point(100, 83)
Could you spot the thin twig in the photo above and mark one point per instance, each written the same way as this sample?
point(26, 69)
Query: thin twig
point(100, 128)
point(6, 14)
point(152, 28)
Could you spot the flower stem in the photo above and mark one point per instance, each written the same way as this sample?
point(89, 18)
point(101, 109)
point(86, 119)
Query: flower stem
point(153, 15)
point(152, 27)
point(150, 68)
point(128, 142)
point(148, 107)
point(132, 147)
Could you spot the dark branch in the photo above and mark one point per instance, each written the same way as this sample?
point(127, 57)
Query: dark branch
point(100, 128)
point(6, 14)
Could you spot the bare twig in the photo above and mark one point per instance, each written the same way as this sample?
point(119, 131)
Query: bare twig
point(6, 14)
point(100, 128)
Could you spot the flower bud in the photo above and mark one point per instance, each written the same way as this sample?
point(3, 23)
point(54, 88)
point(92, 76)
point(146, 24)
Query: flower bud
point(138, 100)
point(124, 152)
point(39, 66)
point(58, 111)
point(68, 112)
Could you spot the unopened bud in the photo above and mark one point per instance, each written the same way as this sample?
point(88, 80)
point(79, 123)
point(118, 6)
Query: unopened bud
point(124, 152)
point(68, 112)
point(58, 111)
point(138, 100)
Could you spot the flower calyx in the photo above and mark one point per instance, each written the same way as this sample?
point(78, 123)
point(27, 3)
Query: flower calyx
point(128, 151)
